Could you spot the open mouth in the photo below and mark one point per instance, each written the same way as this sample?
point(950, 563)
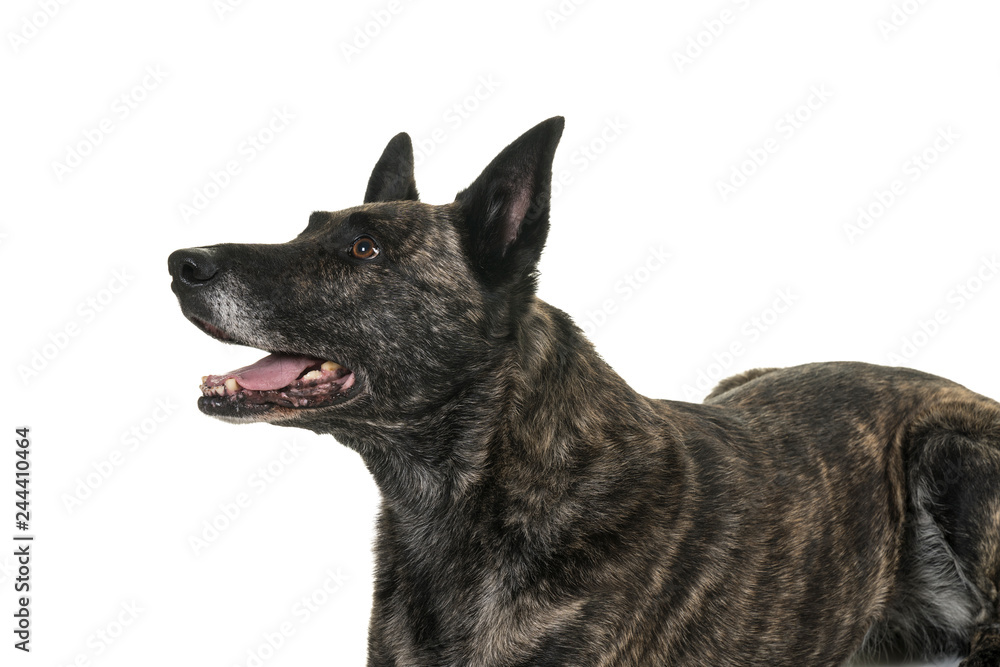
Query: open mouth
point(278, 380)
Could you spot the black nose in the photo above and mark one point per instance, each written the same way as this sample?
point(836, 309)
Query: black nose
point(193, 267)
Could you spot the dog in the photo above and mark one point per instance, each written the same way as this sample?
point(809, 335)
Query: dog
point(535, 510)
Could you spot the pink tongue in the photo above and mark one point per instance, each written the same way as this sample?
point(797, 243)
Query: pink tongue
point(272, 372)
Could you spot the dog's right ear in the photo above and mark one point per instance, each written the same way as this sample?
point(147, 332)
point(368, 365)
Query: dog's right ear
point(392, 178)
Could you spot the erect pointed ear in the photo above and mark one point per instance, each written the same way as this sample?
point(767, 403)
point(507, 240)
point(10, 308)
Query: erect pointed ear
point(392, 177)
point(506, 209)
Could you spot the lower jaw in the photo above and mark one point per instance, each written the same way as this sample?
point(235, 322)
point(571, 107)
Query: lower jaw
point(226, 408)
point(267, 405)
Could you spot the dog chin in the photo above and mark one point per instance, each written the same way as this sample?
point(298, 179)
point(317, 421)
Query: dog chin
point(237, 412)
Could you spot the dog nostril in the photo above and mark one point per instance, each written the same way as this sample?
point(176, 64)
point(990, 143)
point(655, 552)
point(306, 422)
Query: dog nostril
point(192, 273)
point(194, 267)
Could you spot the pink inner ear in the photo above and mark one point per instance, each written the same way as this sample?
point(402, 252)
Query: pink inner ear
point(515, 216)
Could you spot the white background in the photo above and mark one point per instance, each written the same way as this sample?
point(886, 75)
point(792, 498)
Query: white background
point(672, 132)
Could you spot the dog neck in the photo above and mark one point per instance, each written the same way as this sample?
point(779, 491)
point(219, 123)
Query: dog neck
point(531, 428)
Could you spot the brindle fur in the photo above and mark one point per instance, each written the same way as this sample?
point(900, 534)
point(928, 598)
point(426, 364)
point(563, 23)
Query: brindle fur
point(538, 511)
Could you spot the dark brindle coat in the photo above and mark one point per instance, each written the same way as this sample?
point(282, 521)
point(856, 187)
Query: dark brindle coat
point(538, 511)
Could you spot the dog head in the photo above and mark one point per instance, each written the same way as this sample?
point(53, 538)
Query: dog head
point(378, 314)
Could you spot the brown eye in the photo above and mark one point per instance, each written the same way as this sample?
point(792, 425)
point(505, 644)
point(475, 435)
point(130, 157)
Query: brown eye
point(364, 248)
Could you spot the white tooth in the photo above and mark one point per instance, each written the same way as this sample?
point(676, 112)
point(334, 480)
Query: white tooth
point(219, 390)
point(232, 386)
point(330, 366)
point(312, 375)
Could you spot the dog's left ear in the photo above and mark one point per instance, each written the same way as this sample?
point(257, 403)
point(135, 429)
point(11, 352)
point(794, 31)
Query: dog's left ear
point(392, 178)
point(506, 209)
